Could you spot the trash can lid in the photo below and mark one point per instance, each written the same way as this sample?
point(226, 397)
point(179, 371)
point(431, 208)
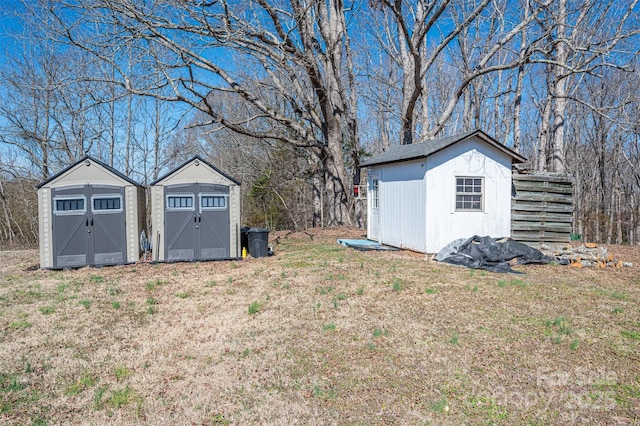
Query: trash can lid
point(258, 230)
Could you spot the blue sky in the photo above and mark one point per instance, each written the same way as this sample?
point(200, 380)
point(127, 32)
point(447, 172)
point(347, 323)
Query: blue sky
point(10, 26)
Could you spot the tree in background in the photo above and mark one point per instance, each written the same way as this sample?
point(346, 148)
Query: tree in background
point(287, 95)
point(294, 84)
point(18, 206)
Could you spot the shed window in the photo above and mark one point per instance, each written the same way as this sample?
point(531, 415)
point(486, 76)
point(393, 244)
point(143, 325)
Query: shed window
point(469, 193)
point(374, 194)
point(180, 202)
point(70, 205)
point(107, 203)
point(213, 202)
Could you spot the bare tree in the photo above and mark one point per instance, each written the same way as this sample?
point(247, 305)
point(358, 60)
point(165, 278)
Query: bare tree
point(51, 112)
point(298, 53)
point(308, 82)
point(582, 38)
point(411, 23)
point(18, 203)
point(30, 84)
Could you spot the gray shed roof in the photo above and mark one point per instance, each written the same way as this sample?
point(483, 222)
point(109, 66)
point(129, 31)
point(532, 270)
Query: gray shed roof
point(427, 148)
point(197, 157)
point(88, 157)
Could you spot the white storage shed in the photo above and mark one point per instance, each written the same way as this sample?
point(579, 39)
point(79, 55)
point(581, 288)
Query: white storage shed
point(424, 195)
point(195, 213)
point(89, 214)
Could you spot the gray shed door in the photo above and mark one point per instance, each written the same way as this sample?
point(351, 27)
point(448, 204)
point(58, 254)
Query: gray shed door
point(197, 222)
point(88, 226)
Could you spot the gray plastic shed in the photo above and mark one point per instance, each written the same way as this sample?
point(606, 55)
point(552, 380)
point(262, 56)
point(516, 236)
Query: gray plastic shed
point(195, 214)
point(89, 214)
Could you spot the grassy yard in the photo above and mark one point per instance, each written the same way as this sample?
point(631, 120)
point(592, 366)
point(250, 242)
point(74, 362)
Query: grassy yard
point(318, 334)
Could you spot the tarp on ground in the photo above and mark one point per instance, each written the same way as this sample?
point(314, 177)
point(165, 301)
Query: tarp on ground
point(364, 245)
point(491, 254)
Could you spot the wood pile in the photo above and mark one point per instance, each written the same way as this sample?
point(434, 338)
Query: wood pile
point(588, 255)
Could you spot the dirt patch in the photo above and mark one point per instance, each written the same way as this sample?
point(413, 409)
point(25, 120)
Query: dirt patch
point(318, 334)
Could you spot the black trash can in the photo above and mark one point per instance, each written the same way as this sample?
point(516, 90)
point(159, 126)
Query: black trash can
point(244, 238)
point(258, 240)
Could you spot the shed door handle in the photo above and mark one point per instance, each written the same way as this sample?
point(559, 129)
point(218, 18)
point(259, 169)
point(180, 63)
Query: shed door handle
point(91, 221)
point(86, 223)
point(195, 218)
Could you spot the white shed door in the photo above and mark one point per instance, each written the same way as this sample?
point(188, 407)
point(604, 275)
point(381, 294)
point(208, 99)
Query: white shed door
point(374, 219)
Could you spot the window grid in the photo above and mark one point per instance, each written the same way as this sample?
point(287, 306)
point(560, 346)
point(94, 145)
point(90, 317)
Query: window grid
point(70, 205)
point(180, 202)
point(469, 193)
point(213, 201)
point(374, 194)
point(107, 203)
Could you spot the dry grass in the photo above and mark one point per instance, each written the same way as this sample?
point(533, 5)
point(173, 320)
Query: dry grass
point(318, 334)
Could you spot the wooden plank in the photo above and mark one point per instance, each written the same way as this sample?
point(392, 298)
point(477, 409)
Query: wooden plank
point(541, 228)
point(542, 210)
point(540, 234)
point(548, 189)
point(534, 191)
point(542, 178)
point(541, 184)
point(541, 202)
point(566, 226)
point(555, 208)
point(554, 198)
point(545, 198)
point(541, 238)
point(537, 244)
point(528, 191)
point(533, 227)
point(542, 217)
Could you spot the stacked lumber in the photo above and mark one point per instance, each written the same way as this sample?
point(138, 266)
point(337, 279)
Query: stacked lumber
point(588, 255)
point(542, 209)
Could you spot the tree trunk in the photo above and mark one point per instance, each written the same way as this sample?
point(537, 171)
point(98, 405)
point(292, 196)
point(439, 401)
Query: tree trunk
point(517, 100)
point(44, 143)
point(156, 140)
point(576, 223)
point(127, 145)
point(466, 114)
point(619, 237)
point(543, 136)
point(517, 97)
point(612, 209)
point(410, 93)
point(317, 189)
point(9, 233)
point(560, 92)
point(112, 123)
point(336, 187)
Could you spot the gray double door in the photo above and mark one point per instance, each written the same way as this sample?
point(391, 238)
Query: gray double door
point(88, 226)
point(196, 222)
